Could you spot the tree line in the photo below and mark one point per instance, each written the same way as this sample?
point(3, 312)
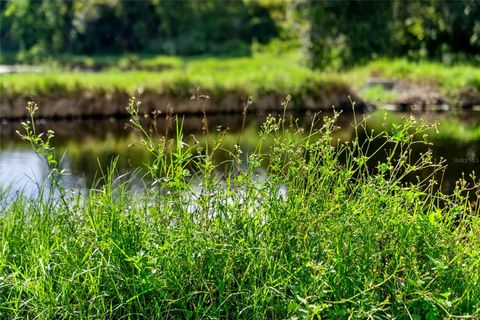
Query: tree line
point(157, 26)
point(335, 33)
point(352, 31)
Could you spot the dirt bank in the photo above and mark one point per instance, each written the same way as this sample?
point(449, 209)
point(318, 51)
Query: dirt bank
point(99, 105)
point(411, 96)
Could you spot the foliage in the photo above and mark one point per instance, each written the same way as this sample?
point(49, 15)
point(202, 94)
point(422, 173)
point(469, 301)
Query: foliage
point(336, 33)
point(35, 28)
point(318, 234)
point(457, 129)
point(159, 26)
point(343, 33)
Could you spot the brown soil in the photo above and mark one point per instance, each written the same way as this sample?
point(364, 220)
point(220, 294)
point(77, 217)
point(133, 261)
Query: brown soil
point(412, 96)
point(425, 97)
point(469, 98)
point(88, 104)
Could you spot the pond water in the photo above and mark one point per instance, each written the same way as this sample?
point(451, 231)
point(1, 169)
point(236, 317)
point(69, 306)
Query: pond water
point(88, 146)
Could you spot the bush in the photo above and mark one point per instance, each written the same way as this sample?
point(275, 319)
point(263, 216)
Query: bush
point(173, 27)
point(342, 33)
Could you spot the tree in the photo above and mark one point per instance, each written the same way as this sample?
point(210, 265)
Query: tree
point(342, 33)
point(39, 25)
point(159, 26)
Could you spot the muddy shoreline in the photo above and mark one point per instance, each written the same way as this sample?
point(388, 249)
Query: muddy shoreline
point(99, 105)
point(103, 105)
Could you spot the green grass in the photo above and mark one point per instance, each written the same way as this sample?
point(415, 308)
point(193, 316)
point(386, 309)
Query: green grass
point(256, 75)
point(294, 229)
point(377, 95)
point(447, 78)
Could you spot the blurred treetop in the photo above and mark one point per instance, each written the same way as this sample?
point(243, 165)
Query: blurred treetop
point(335, 33)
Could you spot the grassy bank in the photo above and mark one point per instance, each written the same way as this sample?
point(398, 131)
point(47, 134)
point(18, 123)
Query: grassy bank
point(294, 230)
point(262, 73)
point(228, 81)
point(447, 78)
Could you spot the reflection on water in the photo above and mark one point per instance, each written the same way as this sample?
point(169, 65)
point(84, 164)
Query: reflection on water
point(22, 169)
point(89, 146)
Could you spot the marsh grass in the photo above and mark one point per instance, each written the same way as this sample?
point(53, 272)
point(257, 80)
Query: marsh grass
point(293, 229)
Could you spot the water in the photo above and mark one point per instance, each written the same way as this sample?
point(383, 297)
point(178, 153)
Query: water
point(22, 169)
point(88, 146)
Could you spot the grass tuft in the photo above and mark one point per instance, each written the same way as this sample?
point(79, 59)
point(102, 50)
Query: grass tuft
point(294, 228)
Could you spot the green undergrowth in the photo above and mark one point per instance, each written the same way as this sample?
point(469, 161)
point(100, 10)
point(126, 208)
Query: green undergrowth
point(444, 128)
point(446, 77)
point(257, 75)
point(378, 95)
point(293, 229)
point(417, 78)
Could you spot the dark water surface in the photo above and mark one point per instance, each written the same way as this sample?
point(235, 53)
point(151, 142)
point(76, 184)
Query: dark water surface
point(90, 145)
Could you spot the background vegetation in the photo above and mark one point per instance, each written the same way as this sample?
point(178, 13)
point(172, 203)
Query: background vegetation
point(100, 26)
point(348, 32)
point(334, 33)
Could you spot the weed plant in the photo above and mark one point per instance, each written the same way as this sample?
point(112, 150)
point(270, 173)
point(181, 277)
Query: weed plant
point(447, 127)
point(301, 228)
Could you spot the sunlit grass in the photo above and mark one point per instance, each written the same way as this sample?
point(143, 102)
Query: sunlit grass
point(377, 95)
point(438, 74)
point(262, 73)
point(289, 229)
point(254, 75)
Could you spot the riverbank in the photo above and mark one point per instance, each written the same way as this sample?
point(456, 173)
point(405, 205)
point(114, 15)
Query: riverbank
point(290, 231)
point(101, 86)
point(87, 103)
